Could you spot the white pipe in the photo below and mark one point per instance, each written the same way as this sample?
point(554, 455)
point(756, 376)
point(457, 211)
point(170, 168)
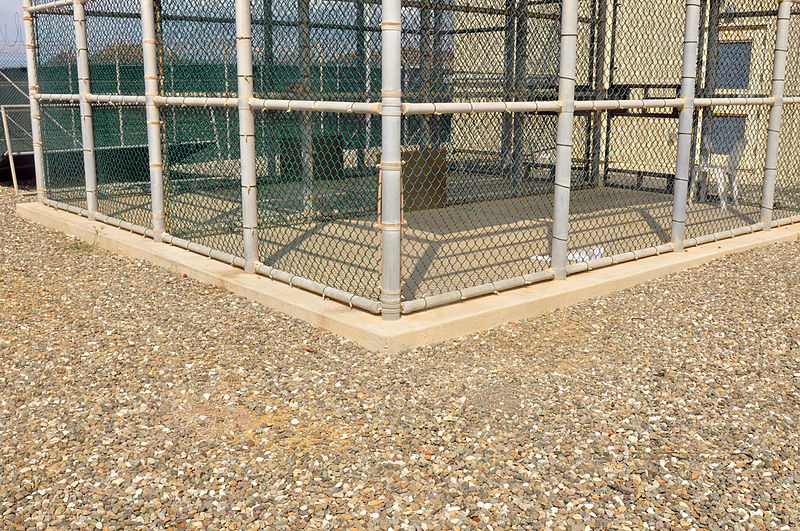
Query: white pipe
point(117, 99)
point(33, 91)
point(84, 88)
point(685, 123)
point(775, 113)
point(56, 4)
point(714, 102)
point(346, 107)
point(426, 303)
point(391, 188)
point(152, 88)
point(197, 101)
point(307, 120)
point(72, 98)
point(247, 136)
point(611, 105)
point(563, 169)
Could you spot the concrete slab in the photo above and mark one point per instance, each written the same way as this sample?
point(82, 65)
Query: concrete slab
point(430, 326)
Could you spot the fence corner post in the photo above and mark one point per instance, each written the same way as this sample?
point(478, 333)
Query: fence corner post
point(247, 134)
point(33, 93)
point(683, 165)
point(391, 160)
point(775, 113)
point(563, 169)
point(87, 125)
point(152, 89)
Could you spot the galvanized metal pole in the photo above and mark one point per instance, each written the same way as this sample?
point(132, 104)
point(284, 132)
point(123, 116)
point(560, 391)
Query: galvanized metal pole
point(520, 86)
point(563, 170)
point(84, 89)
point(33, 92)
point(391, 159)
point(775, 113)
point(506, 141)
point(599, 89)
point(152, 89)
point(683, 165)
point(247, 134)
point(307, 120)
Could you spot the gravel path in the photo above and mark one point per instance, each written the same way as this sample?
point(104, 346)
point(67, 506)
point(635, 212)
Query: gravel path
point(131, 397)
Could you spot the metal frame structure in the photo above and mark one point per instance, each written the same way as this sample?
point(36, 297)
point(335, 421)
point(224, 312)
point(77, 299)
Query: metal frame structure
point(393, 109)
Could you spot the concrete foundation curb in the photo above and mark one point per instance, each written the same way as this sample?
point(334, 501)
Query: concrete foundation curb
point(429, 326)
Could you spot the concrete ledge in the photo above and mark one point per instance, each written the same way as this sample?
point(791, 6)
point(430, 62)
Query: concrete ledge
point(430, 326)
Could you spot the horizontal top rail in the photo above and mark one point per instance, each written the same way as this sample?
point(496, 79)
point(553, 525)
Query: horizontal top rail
point(55, 4)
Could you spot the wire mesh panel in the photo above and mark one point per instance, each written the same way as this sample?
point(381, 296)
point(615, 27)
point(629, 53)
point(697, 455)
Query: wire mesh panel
point(63, 153)
point(726, 184)
point(316, 50)
point(624, 160)
point(56, 60)
point(787, 186)
point(198, 55)
point(114, 36)
point(477, 187)
point(18, 120)
point(203, 193)
point(123, 176)
point(317, 172)
point(13, 86)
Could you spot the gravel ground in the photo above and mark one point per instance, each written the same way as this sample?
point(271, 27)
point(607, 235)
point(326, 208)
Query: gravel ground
point(130, 397)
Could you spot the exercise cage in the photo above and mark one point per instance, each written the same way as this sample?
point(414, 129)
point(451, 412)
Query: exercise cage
point(401, 155)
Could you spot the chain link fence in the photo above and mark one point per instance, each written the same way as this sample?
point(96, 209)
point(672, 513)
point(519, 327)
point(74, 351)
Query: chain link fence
point(401, 155)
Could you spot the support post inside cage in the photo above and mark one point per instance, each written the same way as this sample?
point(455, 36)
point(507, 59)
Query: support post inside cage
point(563, 170)
point(683, 167)
point(247, 136)
point(775, 113)
point(33, 91)
point(391, 160)
point(84, 89)
point(152, 90)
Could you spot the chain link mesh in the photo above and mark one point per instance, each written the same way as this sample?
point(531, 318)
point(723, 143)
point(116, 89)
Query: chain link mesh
point(477, 187)
point(123, 169)
point(738, 41)
point(19, 129)
point(203, 194)
point(317, 172)
point(56, 59)
point(114, 37)
point(63, 153)
point(787, 187)
point(198, 55)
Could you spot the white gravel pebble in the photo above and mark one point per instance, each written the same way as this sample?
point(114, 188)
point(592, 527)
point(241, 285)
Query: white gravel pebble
point(132, 398)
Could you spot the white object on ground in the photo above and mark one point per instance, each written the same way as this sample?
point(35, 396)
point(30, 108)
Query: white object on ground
point(581, 255)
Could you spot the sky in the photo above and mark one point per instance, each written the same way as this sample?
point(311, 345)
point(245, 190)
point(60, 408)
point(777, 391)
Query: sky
point(12, 49)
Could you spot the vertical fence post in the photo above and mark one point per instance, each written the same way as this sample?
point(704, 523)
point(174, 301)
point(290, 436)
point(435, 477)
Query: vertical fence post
point(683, 166)
point(563, 170)
point(33, 91)
point(307, 120)
point(151, 90)
point(84, 89)
point(775, 113)
point(247, 133)
point(391, 158)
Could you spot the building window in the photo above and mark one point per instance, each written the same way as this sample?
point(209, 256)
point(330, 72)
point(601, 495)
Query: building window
point(726, 131)
point(733, 64)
